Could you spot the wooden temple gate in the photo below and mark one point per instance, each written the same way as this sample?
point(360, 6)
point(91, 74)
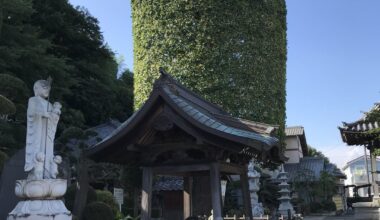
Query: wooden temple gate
point(178, 133)
point(365, 132)
point(214, 170)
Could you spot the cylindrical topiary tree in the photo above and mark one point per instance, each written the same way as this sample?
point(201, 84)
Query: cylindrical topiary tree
point(233, 53)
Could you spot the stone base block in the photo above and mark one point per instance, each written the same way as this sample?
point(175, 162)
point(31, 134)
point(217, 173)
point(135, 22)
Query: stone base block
point(40, 217)
point(257, 210)
point(40, 210)
point(284, 213)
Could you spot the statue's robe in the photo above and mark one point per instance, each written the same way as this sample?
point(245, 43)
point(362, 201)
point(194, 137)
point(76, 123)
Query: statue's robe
point(40, 134)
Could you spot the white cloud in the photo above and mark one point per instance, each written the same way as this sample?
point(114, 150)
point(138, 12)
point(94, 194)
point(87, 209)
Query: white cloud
point(341, 154)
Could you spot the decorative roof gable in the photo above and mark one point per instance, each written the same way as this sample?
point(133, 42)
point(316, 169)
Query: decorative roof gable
point(198, 117)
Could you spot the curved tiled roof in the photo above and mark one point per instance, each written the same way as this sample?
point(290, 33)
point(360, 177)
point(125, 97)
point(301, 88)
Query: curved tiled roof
point(312, 166)
point(204, 115)
point(359, 132)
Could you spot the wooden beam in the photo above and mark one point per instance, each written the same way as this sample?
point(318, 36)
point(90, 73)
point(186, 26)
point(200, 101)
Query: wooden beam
point(246, 195)
point(172, 169)
point(230, 168)
point(146, 198)
point(187, 196)
point(216, 191)
point(186, 123)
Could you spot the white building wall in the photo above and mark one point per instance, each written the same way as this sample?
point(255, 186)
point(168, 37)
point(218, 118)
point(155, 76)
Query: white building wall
point(293, 149)
point(357, 175)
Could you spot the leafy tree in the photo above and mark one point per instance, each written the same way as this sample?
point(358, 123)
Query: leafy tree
point(312, 152)
point(6, 106)
point(77, 38)
point(41, 38)
point(303, 184)
point(23, 52)
point(269, 193)
point(326, 187)
point(15, 89)
point(13, 93)
point(314, 194)
point(235, 61)
point(23, 58)
point(122, 107)
point(374, 116)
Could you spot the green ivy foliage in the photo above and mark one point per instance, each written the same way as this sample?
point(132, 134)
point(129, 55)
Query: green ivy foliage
point(233, 53)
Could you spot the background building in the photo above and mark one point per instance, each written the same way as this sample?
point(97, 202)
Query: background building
point(356, 173)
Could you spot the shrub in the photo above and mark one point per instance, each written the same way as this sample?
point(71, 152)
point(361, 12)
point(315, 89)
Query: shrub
point(315, 207)
point(70, 196)
point(98, 211)
point(107, 198)
point(91, 195)
point(328, 205)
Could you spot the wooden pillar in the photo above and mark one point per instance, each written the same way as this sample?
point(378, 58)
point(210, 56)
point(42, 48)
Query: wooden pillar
point(216, 191)
point(187, 196)
point(246, 195)
point(146, 198)
point(374, 175)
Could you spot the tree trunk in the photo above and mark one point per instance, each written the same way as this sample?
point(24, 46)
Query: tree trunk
point(81, 193)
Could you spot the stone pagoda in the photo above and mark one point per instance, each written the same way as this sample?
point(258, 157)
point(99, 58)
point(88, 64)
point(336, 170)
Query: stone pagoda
point(285, 205)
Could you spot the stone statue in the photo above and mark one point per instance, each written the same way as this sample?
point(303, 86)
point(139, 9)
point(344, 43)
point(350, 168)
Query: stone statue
point(42, 120)
point(37, 172)
point(41, 191)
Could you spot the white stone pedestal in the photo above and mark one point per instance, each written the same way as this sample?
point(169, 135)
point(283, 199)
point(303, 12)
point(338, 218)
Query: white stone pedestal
point(41, 200)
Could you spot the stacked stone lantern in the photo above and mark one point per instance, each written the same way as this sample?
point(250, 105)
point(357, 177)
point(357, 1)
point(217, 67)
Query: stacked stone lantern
point(41, 191)
point(254, 187)
point(285, 205)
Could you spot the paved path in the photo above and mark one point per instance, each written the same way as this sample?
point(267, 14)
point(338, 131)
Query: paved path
point(360, 214)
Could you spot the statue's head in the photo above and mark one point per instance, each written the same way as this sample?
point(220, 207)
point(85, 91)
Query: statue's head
point(42, 88)
point(57, 159)
point(40, 157)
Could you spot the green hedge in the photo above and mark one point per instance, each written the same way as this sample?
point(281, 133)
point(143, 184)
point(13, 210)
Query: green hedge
point(233, 53)
point(98, 211)
point(70, 196)
point(107, 198)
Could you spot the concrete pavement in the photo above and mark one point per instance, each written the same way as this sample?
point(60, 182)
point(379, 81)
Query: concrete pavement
point(360, 214)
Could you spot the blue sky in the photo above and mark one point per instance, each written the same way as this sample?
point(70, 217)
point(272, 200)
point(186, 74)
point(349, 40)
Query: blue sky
point(333, 67)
